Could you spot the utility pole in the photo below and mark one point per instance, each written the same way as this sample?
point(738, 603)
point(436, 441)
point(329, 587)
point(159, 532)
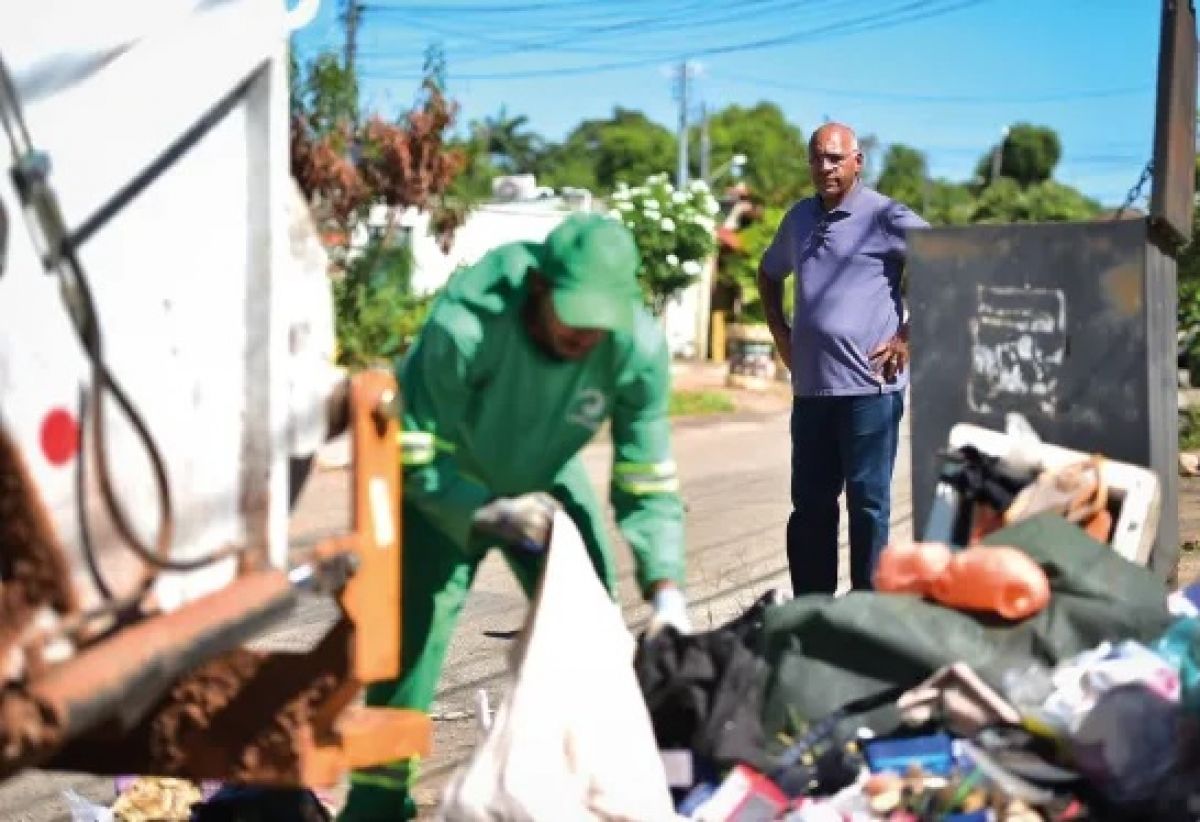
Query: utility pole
point(681, 92)
point(351, 18)
point(998, 157)
point(1169, 227)
point(705, 146)
point(1172, 197)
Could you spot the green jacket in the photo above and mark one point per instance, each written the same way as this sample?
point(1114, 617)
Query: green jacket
point(488, 414)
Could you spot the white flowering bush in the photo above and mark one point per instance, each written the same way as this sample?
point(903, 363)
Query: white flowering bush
point(674, 230)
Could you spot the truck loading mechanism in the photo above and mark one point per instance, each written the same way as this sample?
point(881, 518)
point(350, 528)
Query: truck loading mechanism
point(153, 381)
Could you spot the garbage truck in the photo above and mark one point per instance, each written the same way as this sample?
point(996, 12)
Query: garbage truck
point(165, 377)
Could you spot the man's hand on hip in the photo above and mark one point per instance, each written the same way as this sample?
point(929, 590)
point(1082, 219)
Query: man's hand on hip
point(522, 522)
point(891, 358)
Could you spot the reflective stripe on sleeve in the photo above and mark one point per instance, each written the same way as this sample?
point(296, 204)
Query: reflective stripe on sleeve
point(646, 477)
point(420, 447)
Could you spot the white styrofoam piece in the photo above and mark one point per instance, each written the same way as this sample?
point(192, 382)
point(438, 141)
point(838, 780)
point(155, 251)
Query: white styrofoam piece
point(1134, 487)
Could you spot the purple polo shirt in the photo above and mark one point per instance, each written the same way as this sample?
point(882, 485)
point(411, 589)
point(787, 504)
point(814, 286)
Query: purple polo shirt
point(847, 263)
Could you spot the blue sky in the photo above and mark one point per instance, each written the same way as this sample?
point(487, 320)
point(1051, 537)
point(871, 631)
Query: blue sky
point(944, 76)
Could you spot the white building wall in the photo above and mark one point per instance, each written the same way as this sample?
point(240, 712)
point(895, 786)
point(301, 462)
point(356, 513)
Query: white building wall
point(487, 226)
point(681, 321)
point(493, 224)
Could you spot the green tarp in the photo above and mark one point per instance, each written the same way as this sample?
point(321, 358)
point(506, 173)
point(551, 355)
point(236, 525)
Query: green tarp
point(825, 652)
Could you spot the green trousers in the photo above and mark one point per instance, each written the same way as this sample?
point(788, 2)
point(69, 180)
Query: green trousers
point(437, 577)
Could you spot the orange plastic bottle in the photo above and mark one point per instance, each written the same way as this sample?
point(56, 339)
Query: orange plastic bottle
point(911, 567)
point(991, 578)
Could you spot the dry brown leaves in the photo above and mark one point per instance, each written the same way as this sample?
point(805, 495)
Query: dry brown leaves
point(401, 164)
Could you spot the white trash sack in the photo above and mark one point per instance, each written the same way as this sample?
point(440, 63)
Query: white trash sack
point(572, 740)
point(84, 810)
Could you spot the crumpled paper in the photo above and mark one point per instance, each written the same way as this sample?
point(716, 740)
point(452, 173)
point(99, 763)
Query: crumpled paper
point(157, 798)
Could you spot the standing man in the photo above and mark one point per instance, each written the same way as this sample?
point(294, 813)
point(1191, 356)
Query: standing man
point(847, 348)
point(525, 355)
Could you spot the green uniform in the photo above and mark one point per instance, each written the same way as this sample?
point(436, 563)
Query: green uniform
point(488, 414)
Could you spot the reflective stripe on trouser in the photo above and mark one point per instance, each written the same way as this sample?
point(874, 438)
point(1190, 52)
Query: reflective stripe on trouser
point(437, 580)
point(383, 792)
point(399, 775)
point(640, 478)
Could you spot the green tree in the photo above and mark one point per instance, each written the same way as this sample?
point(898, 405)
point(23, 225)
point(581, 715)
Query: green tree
point(1005, 201)
point(1188, 311)
point(325, 94)
point(494, 146)
point(510, 146)
point(948, 203)
point(344, 166)
point(1189, 256)
point(567, 164)
point(376, 313)
point(626, 147)
point(904, 176)
point(475, 181)
point(776, 151)
point(1028, 155)
point(740, 268)
point(1053, 202)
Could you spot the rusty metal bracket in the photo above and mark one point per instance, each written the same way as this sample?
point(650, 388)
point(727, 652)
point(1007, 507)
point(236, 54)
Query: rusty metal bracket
point(260, 718)
point(34, 572)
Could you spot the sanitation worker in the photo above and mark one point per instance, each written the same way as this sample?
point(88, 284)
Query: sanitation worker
point(524, 357)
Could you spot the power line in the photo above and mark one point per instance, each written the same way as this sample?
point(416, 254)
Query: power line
point(568, 39)
point(584, 13)
point(682, 18)
point(914, 11)
point(508, 46)
point(957, 99)
point(508, 8)
point(911, 12)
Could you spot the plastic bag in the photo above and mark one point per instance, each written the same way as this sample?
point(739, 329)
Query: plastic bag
point(1180, 646)
point(1128, 743)
point(572, 739)
point(1023, 452)
point(82, 810)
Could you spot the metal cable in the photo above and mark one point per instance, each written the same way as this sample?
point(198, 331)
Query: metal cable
point(1135, 191)
point(85, 531)
point(60, 255)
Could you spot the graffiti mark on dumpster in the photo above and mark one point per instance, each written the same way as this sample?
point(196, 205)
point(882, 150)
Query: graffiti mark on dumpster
point(1018, 344)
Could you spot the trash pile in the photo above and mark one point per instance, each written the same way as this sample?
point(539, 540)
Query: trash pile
point(141, 799)
point(164, 799)
point(1013, 666)
point(1021, 670)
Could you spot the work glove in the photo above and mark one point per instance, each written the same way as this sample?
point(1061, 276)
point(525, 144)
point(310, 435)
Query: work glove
point(670, 608)
point(518, 522)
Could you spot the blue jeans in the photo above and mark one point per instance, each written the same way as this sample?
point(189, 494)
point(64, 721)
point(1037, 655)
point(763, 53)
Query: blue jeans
point(840, 442)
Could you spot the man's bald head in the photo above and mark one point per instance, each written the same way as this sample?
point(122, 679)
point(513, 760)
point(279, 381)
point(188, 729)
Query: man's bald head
point(835, 161)
point(828, 129)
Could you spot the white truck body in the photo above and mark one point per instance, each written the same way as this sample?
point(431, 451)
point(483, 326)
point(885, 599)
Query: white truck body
point(210, 286)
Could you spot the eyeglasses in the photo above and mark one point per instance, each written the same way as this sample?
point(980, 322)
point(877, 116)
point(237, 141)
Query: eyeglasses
point(819, 160)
